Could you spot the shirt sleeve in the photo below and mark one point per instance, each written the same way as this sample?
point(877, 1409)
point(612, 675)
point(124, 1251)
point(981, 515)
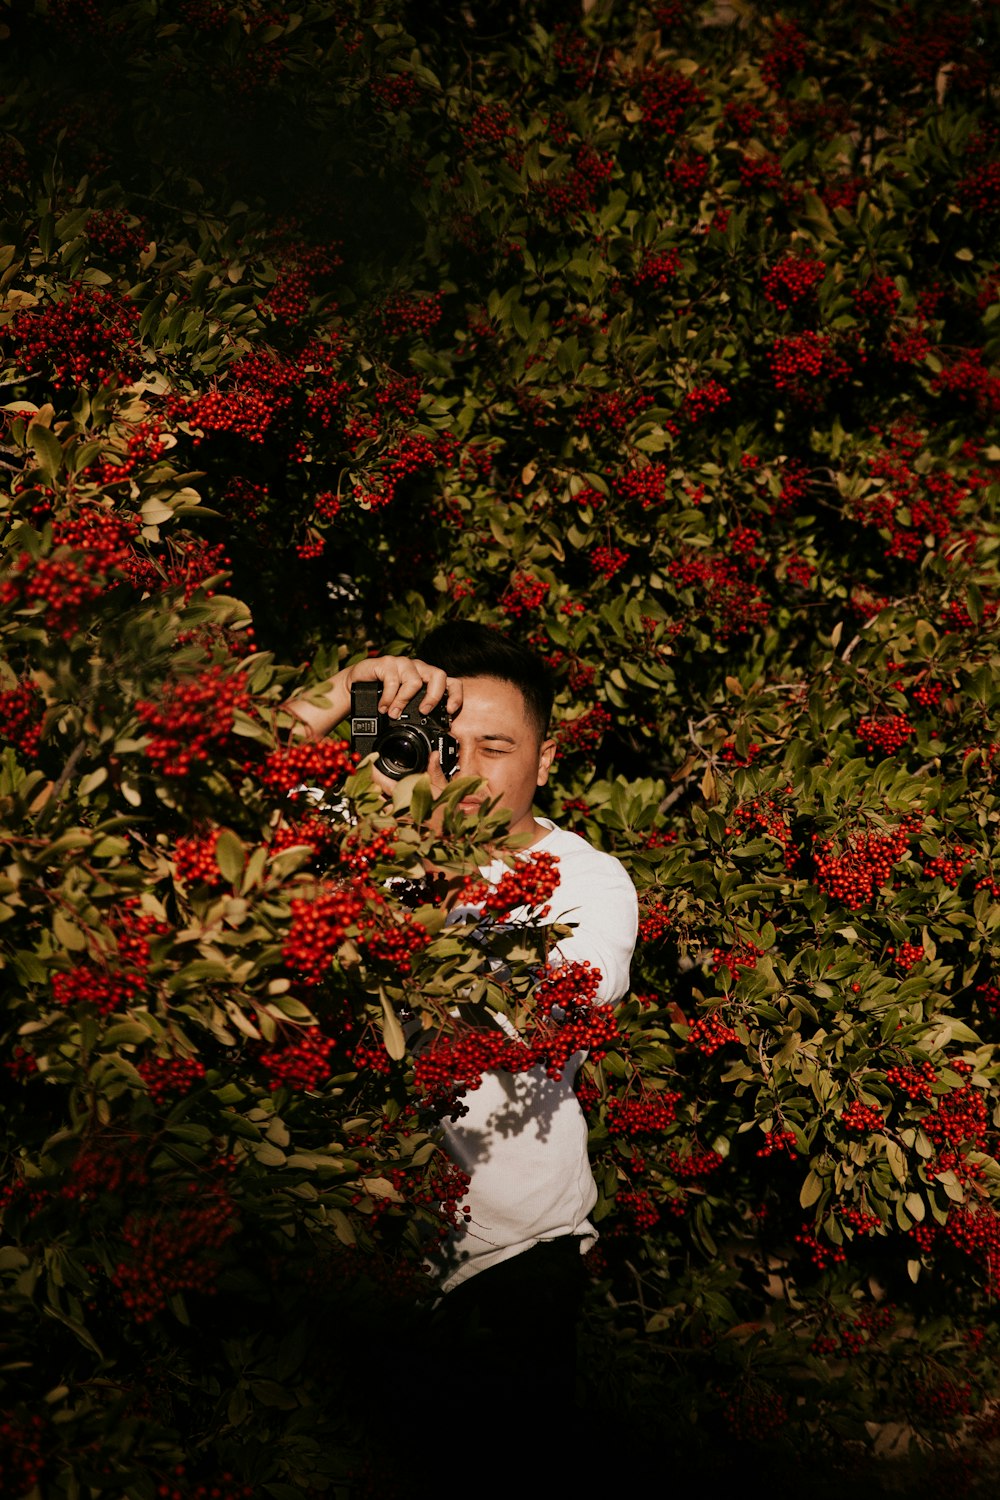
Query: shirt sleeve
point(597, 897)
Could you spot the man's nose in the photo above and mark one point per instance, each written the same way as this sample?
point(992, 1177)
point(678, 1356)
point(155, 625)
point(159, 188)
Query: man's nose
point(468, 761)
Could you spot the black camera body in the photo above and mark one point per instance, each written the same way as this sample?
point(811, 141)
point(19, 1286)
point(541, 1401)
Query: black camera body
point(404, 745)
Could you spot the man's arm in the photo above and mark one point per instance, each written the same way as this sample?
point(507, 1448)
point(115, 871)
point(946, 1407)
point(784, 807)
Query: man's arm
point(402, 678)
point(597, 898)
point(605, 936)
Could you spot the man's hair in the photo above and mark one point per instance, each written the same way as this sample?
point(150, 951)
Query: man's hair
point(464, 648)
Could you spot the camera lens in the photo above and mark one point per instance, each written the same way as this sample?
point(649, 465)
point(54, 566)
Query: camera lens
point(402, 752)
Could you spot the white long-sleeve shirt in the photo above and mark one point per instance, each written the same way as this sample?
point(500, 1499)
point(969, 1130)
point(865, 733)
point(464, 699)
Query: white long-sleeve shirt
point(523, 1140)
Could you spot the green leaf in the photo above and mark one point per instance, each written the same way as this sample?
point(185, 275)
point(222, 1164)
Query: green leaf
point(67, 934)
point(392, 1032)
point(48, 450)
point(811, 1190)
point(230, 856)
point(896, 1158)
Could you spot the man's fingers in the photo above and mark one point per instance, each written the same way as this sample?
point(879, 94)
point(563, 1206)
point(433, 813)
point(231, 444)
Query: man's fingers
point(454, 699)
point(403, 678)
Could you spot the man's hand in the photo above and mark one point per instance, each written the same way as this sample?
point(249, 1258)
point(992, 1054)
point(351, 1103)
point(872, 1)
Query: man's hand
point(402, 678)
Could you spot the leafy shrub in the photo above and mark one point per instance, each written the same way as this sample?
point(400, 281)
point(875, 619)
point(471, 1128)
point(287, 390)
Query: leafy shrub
point(665, 336)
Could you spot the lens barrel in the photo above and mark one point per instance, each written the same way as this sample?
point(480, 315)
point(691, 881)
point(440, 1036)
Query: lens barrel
point(402, 752)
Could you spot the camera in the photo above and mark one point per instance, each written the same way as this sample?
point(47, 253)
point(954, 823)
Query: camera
point(404, 745)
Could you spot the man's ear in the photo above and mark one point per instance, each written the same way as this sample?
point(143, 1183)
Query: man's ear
point(546, 755)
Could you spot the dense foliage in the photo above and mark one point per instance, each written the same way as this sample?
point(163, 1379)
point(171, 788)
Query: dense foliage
point(666, 336)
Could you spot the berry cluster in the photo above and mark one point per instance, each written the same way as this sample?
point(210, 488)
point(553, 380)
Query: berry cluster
point(607, 561)
point(322, 762)
point(665, 96)
point(709, 1033)
point(143, 446)
point(823, 1257)
point(801, 363)
point(205, 15)
point(591, 1030)
point(22, 1454)
point(689, 172)
point(793, 279)
point(913, 503)
point(577, 191)
point(110, 232)
point(90, 337)
point(645, 487)
point(798, 570)
point(611, 412)
point(648, 1115)
point(490, 125)
point(924, 41)
point(392, 938)
point(860, 1118)
point(523, 595)
point(635, 1212)
point(979, 190)
point(728, 753)
point(757, 1413)
point(92, 552)
point(584, 733)
point(657, 270)
point(654, 924)
point(940, 1404)
point(87, 984)
point(188, 566)
point(961, 1119)
point(949, 866)
point(742, 955)
point(318, 926)
point(531, 885)
point(21, 710)
point(260, 392)
point(776, 1141)
point(968, 381)
point(906, 955)
point(878, 299)
point(453, 1064)
point(703, 400)
point(887, 734)
point(412, 456)
point(168, 1253)
point(916, 1082)
point(766, 172)
point(301, 1065)
point(170, 1077)
point(301, 271)
point(743, 119)
point(413, 316)
point(577, 54)
point(194, 859)
point(858, 1220)
point(733, 601)
point(191, 719)
point(314, 832)
point(851, 1336)
point(448, 1186)
point(226, 1487)
point(566, 990)
point(693, 1162)
point(756, 817)
point(395, 91)
point(786, 55)
point(854, 876)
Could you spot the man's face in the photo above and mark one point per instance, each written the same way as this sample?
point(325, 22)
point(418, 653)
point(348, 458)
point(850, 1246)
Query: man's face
point(498, 741)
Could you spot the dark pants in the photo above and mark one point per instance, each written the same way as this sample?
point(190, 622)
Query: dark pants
point(501, 1392)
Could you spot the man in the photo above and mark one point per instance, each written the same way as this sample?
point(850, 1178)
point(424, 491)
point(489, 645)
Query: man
point(513, 1274)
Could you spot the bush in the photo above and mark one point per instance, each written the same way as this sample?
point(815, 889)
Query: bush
point(665, 336)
